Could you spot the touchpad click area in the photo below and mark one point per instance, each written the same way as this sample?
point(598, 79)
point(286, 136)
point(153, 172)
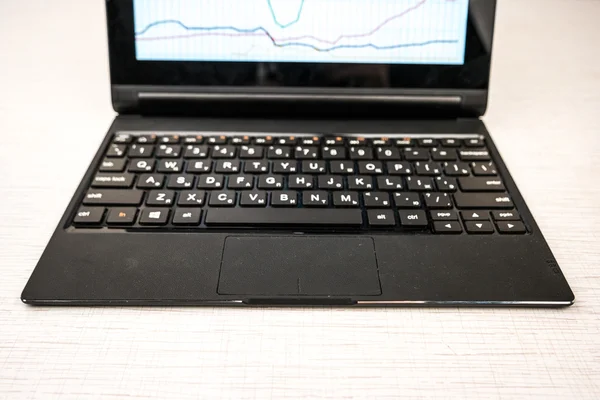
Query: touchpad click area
point(304, 265)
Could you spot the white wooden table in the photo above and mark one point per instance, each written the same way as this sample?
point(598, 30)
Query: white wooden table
point(54, 111)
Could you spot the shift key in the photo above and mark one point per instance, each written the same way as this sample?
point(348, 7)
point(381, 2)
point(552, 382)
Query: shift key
point(113, 197)
point(483, 200)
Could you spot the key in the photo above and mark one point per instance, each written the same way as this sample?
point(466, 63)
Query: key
point(399, 168)
point(192, 151)
point(479, 227)
point(370, 167)
point(450, 142)
point(210, 181)
point(483, 200)
point(146, 139)
point(474, 215)
point(334, 153)
point(300, 182)
point(116, 150)
point(267, 140)
point(474, 143)
point(341, 167)
point(404, 142)
point(227, 167)
point(270, 182)
point(170, 166)
point(443, 215)
point(330, 182)
point(427, 168)
point(121, 216)
point(412, 154)
point(509, 215)
point(193, 139)
point(225, 198)
point(256, 167)
point(89, 216)
point(413, 219)
point(444, 184)
point(456, 169)
point(427, 142)
point(191, 198)
point(407, 200)
point(380, 141)
point(286, 140)
point(437, 200)
point(285, 217)
point(376, 199)
point(361, 153)
point(389, 183)
point(441, 154)
point(150, 181)
point(160, 198)
point(306, 152)
point(249, 152)
point(276, 152)
point(474, 155)
point(306, 141)
point(360, 182)
point(284, 198)
point(112, 165)
point(154, 216)
point(511, 227)
point(113, 197)
point(381, 218)
point(447, 227)
point(388, 153)
point(315, 199)
point(180, 182)
point(334, 141)
point(484, 169)
point(169, 139)
point(199, 166)
point(481, 185)
point(357, 141)
point(223, 151)
point(285, 167)
point(217, 139)
point(140, 150)
point(168, 151)
point(141, 165)
point(240, 140)
point(314, 167)
point(187, 216)
point(122, 138)
point(103, 180)
point(241, 182)
point(345, 199)
point(253, 199)
point(419, 184)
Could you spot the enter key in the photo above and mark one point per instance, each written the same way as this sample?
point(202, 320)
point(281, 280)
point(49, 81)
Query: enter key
point(482, 184)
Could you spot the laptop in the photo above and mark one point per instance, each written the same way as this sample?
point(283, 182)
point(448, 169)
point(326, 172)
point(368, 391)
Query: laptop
point(298, 152)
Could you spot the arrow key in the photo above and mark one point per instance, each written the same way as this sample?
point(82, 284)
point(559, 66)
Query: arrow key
point(474, 215)
point(511, 227)
point(447, 227)
point(479, 227)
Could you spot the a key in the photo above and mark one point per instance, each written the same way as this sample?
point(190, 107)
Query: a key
point(427, 142)
point(105, 180)
point(315, 199)
point(456, 169)
point(306, 152)
point(210, 182)
point(194, 166)
point(116, 150)
point(450, 142)
point(370, 167)
point(193, 151)
point(330, 182)
point(121, 216)
point(256, 167)
point(150, 181)
point(299, 182)
point(474, 215)
point(345, 199)
point(123, 138)
point(241, 182)
point(484, 169)
point(227, 167)
point(399, 168)
point(314, 167)
point(387, 153)
point(412, 154)
point(483, 200)
point(187, 216)
point(474, 143)
point(428, 168)
point(113, 197)
point(441, 154)
point(168, 151)
point(444, 184)
point(222, 139)
point(277, 152)
point(419, 183)
point(376, 199)
point(360, 182)
point(443, 215)
point(253, 199)
point(341, 167)
point(270, 182)
point(381, 218)
point(508, 215)
point(407, 200)
point(170, 166)
point(284, 198)
point(479, 227)
point(140, 150)
point(361, 153)
point(225, 198)
point(154, 216)
point(89, 216)
point(169, 139)
point(220, 151)
point(251, 152)
point(334, 153)
point(437, 200)
point(389, 183)
point(474, 155)
point(191, 198)
point(141, 165)
point(180, 182)
point(511, 227)
point(112, 165)
point(413, 219)
point(161, 198)
point(284, 217)
point(285, 167)
point(447, 227)
point(481, 185)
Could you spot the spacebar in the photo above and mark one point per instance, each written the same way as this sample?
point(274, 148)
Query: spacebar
point(282, 216)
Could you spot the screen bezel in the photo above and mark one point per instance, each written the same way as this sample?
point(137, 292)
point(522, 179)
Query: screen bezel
point(127, 70)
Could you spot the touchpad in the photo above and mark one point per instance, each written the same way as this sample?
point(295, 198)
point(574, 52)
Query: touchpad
point(306, 265)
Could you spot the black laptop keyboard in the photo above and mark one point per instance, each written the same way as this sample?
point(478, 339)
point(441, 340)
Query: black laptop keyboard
point(165, 182)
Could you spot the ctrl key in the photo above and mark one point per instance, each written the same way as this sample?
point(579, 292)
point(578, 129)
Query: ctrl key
point(413, 219)
point(89, 216)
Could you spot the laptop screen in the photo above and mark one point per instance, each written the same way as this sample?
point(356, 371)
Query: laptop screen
point(408, 32)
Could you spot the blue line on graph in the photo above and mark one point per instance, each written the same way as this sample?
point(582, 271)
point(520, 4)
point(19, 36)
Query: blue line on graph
point(373, 46)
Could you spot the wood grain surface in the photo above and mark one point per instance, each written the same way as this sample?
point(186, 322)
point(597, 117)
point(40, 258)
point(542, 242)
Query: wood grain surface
point(543, 114)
